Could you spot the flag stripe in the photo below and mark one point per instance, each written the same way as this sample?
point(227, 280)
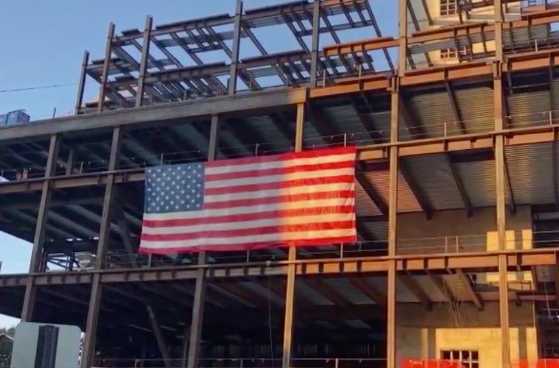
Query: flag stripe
point(276, 192)
point(180, 247)
point(252, 224)
point(279, 171)
point(209, 214)
point(284, 157)
point(280, 199)
point(276, 178)
point(311, 182)
point(295, 228)
point(250, 216)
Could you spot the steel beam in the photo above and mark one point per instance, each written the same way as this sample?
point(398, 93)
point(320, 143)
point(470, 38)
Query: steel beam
point(197, 318)
point(106, 67)
point(40, 230)
point(144, 63)
point(90, 336)
point(504, 311)
point(81, 83)
point(234, 68)
point(315, 43)
point(292, 256)
point(161, 344)
point(106, 217)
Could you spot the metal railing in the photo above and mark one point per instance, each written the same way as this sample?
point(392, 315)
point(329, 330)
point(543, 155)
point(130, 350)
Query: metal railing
point(329, 362)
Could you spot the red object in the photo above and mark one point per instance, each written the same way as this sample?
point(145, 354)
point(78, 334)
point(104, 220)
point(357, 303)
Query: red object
point(429, 363)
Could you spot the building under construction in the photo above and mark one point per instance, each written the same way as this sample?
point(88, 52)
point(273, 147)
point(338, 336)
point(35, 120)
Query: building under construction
point(455, 123)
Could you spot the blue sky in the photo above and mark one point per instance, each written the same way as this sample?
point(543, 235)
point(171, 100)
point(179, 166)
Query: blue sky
point(44, 40)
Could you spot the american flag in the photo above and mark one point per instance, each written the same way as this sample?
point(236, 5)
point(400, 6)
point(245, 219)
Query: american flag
point(291, 199)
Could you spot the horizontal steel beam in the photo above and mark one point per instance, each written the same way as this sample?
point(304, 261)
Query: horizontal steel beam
point(478, 261)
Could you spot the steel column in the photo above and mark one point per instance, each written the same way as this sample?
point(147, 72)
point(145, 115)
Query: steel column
point(498, 101)
point(292, 256)
point(392, 223)
point(106, 66)
point(144, 63)
point(160, 339)
point(90, 337)
point(403, 44)
point(96, 295)
point(197, 315)
point(197, 320)
point(81, 83)
point(504, 311)
point(315, 43)
point(40, 229)
point(234, 68)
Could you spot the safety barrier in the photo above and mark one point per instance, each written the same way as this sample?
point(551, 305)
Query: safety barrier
point(429, 363)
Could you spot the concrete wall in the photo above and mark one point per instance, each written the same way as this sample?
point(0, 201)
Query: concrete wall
point(465, 328)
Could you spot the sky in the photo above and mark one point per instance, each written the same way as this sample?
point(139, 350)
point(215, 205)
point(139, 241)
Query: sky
point(43, 43)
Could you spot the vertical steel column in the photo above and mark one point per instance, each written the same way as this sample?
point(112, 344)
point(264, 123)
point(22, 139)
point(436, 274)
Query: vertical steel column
point(292, 256)
point(90, 337)
point(40, 229)
point(315, 43)
point(106, 67)
point(105, 228)
point(498, 102)
point(403, 47)
point(392, 224)
point(234, 68)
point(159, 338)
point(81, 83)
point(197, 320)
point(144, 63)
point(104, 237)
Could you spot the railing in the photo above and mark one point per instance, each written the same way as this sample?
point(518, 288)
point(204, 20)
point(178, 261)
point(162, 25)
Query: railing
point(429, 363)
point(409, 132)
point(246, 363)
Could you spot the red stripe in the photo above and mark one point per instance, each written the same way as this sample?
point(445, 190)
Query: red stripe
point(281, 184)
point(331, 210)
point(283, 156)
point(280, 171)
point(249, 246)
point(280, 199)
point(334, 225)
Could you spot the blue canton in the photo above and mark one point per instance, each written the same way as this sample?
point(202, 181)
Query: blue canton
point(174, 188)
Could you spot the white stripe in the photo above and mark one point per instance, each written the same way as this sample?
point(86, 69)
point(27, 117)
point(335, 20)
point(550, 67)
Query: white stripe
point(280, 164)
point(278, 192)
point(279, 178)
point(251, 209)
point(293, 220)
point(275, 237)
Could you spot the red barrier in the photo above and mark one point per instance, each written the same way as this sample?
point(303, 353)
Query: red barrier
point(540, 363)
point(429, 363)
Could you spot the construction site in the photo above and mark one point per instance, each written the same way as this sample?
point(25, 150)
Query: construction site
point(455, 119)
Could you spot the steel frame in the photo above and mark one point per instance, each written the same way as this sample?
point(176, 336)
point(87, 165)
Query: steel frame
point(199, 37)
